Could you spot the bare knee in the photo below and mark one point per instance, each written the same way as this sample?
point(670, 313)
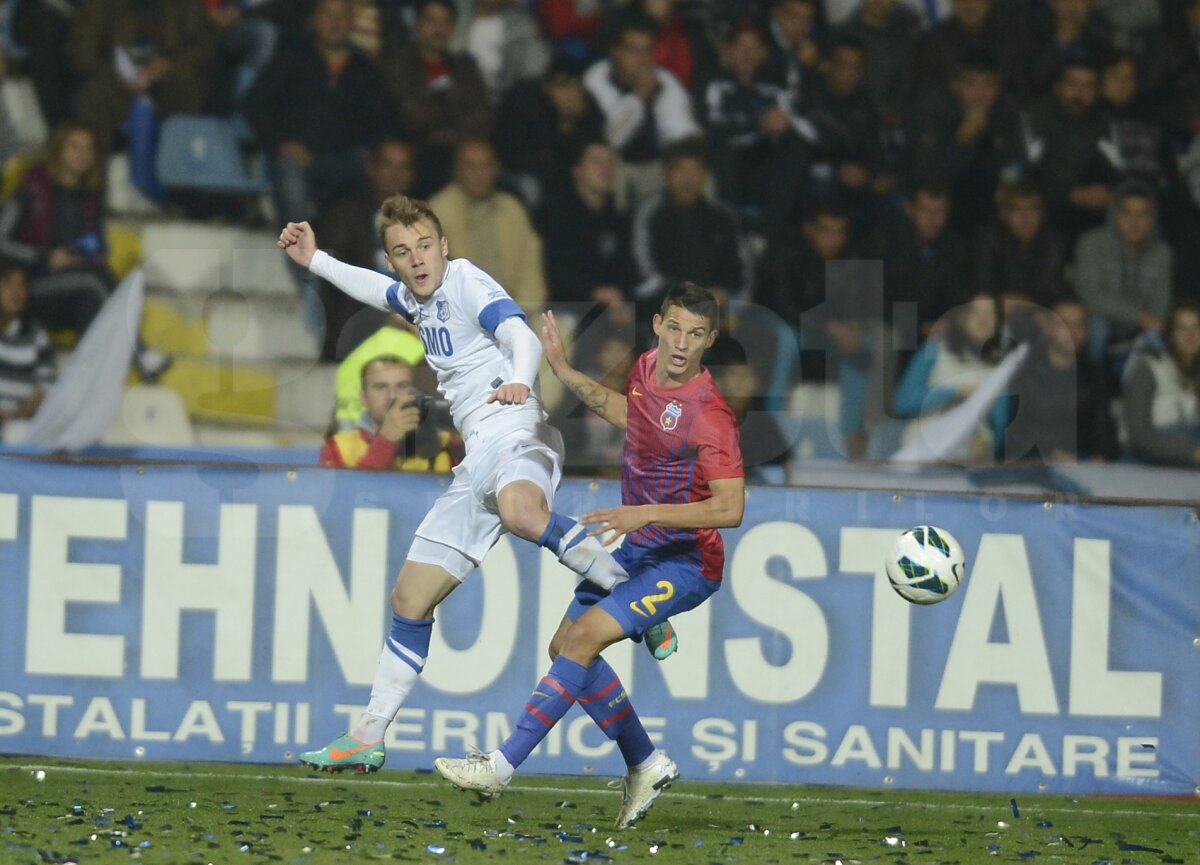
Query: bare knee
point(581, 643)
point(419, 588)
point(405, 602)
point(523, 510)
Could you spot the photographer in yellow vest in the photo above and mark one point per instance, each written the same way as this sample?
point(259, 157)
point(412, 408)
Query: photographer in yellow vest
point(390, 433)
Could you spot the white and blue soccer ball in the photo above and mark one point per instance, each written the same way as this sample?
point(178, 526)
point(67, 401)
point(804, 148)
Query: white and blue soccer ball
point(926, 565)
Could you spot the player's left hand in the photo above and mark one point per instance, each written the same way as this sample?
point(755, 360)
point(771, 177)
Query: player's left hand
point(619, 520)
point(510, 394)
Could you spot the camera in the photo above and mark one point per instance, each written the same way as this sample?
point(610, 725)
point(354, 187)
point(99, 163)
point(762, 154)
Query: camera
point(432, 407)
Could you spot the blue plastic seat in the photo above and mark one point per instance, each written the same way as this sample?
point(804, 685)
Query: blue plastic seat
point(202, 152)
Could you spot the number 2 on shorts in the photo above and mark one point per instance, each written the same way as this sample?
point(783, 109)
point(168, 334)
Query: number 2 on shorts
point(668, 592)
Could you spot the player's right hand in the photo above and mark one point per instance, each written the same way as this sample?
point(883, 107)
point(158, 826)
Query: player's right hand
point(299, 242)
point(552, 344)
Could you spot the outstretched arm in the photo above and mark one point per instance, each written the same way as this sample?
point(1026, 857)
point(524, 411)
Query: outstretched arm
point(604, 401)
point(722, 510)
point(364, 285)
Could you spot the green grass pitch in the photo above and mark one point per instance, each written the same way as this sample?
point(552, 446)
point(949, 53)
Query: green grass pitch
point(83, 811)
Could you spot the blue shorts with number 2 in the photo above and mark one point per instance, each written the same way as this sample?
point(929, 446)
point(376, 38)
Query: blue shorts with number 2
point(663, 582)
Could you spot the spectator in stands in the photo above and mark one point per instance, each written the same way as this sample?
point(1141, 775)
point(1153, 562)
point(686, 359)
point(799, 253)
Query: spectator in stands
point(1132, 20)
point(245, 47)
point(964, 134)
point(129, 55)
point(795, 46)
point(1123, 271)
point(349, 224)
point(760, 146)
point(973, 26)
point(503, 39)
point(948, 368)
point(1065, 29)
point(38, 42)
point(681, 43)
point(924, 263)
point(491, 227)
point(53, 225)
point(390, 433)
point(791, 279)
point(394, 338)
point(1067, 142)
point(765, 449)
point(887, 30)
point(1062, 401)
point(645, 108)
point(849, 148)
point(1142, 145)
point(316, 110)
point(1019, 256)
point(439, 94)
point(811, 279)
point(681, 235)
point(542, 124)
point(26, 359)
point(1187, 242)
point(585, 239)
point(570, 24)
point(1162, 394)
point(1173, 68)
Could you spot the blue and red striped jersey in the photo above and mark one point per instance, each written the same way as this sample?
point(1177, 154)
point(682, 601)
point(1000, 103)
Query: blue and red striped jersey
point(676, 441)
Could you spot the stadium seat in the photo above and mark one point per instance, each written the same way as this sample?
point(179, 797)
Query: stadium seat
point(121, 197)
point(151, 415)
point(202, 152)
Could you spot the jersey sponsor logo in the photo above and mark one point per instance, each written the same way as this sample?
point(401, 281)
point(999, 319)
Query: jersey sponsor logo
point(669, 419)
point(436, 341)
point(634, 391)
point(443, 310)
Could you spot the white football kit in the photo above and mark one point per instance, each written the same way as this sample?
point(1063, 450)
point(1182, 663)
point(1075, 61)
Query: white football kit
point(504, 443)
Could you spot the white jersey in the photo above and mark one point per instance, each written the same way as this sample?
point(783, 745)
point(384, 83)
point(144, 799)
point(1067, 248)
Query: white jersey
point(457, 324)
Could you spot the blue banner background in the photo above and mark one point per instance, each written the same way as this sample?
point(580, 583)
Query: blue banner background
point(802, 669)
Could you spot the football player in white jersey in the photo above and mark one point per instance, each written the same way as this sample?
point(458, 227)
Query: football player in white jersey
point(486, 359)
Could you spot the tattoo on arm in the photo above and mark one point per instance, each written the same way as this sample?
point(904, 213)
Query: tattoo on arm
point(593, 395)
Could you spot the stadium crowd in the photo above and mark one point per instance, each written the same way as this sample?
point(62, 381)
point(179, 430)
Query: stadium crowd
point(886, 195)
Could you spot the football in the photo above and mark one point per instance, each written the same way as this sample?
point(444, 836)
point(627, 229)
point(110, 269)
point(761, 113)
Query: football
point(926, 565)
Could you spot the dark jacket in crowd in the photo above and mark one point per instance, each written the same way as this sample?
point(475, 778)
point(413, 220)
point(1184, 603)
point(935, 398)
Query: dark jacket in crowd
point(1060, 411)
point(1006, 267)
point(1065, 152)
point(938, 50)
point(582, 248)
point(528, 137)
point(935, 276)
point(337, 113)
point(699, 243)
point(971, 171)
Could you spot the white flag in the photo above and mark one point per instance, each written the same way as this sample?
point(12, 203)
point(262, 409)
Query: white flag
point(83, 403)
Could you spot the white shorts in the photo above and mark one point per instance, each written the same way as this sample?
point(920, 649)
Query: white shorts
point(464, 522)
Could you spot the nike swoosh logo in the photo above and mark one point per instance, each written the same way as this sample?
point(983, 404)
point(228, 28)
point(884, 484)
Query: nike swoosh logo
point(335, 754)
point(635, 392)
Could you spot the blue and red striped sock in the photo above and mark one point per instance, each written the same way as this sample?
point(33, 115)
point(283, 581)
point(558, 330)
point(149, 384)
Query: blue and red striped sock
point(551, 699)
point(604, 698)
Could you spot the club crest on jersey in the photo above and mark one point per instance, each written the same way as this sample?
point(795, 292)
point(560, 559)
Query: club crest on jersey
point(669, 419)
point(443, 311)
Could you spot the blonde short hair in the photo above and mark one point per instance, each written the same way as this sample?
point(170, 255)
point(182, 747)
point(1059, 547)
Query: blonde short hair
point(402, 210)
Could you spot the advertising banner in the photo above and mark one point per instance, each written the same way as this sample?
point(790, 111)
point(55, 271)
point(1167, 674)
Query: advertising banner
point(209, 612)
